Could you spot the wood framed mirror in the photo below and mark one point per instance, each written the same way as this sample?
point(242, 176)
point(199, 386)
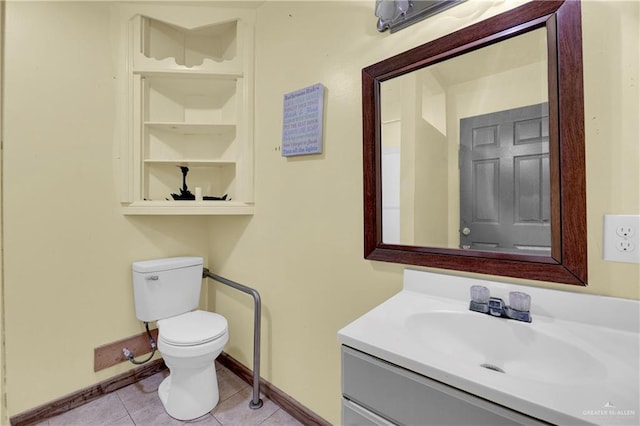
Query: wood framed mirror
point(561, 208)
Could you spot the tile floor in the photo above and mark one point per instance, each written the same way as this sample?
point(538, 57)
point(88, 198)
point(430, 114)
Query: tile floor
point(138, 404)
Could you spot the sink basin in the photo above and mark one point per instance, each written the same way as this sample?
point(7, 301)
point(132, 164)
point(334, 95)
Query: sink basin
point(517, 349)
point(575, 363)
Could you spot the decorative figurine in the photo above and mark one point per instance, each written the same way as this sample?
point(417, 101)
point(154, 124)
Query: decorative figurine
point(185, 194)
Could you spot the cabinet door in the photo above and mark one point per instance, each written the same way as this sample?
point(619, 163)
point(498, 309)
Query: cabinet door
point(354, 415)
point(409, 398)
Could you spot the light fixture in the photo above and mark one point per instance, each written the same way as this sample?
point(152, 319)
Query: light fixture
point(398, 14)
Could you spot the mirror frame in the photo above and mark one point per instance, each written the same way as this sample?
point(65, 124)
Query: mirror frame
point(568, 260)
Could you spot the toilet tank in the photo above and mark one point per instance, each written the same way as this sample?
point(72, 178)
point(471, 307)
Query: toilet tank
point(163, 288)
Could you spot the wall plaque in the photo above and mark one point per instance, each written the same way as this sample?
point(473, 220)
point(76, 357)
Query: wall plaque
point(302, 121)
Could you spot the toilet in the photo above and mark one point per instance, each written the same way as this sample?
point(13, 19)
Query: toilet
point(167, 291)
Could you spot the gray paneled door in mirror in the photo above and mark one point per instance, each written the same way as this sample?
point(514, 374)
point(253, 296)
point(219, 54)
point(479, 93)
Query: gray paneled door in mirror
point(504, 181)
point(474, 149)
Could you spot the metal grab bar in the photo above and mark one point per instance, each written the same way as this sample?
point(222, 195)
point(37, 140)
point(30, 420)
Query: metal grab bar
point(256, 402)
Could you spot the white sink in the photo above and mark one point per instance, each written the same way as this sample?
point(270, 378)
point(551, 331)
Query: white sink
point(575, 363)
point(523, 350)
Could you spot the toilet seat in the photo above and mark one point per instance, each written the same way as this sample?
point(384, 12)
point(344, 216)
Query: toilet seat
point(192, 328)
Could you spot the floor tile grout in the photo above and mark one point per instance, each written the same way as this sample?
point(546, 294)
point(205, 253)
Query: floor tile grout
point(141, 406)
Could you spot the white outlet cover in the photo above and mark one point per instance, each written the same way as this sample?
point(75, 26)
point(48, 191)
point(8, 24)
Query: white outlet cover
point(613, 242)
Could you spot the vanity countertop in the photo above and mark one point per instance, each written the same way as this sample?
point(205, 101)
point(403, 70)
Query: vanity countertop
point(575, 363)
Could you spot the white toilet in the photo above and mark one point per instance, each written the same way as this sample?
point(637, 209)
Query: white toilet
point(167, 291)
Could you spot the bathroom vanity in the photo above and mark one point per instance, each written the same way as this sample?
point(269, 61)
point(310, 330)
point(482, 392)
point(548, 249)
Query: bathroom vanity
point(406, 397)
point(423, 357)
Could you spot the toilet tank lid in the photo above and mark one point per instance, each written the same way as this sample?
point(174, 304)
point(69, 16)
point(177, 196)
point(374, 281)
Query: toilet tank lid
point(157, 265)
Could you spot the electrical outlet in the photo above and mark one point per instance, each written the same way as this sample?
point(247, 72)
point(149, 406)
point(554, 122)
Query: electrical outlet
point(621, 242)
point(624, 245)
point(624, 231)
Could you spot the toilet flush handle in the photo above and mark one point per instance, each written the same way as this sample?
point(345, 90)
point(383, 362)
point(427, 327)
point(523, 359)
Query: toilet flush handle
point(152, 278)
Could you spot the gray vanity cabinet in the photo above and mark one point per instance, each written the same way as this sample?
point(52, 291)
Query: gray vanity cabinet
point(376, 392)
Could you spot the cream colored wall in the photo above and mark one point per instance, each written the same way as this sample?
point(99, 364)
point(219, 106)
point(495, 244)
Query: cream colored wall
point(430, 165)
point(422, 164)
point(611, 43)
point(408, 142)
point(3, 405)
point(68, 249)
point(303, 248)
point(430, 224)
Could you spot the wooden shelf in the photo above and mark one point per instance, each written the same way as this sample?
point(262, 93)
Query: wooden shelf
point(188, 208)
point(192, 128)
point(190, 162)
point(189, 73)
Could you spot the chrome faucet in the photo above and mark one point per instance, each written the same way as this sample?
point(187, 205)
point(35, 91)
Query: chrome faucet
point(518, 308)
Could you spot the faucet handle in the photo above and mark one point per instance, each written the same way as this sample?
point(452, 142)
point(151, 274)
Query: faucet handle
point(519, 301)
point(479, 294)
point(479, 299)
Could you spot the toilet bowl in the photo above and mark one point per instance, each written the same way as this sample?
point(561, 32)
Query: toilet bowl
point(166, 291)
point(189, 344)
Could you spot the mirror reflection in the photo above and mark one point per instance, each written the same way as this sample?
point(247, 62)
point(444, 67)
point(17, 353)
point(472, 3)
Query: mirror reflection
point(465, 151)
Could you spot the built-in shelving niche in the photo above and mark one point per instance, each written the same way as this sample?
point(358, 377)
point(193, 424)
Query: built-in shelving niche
point(191, 106)
point(211, 48)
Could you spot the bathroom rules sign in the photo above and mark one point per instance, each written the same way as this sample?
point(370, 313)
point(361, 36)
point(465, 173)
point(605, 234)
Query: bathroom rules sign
point(302, 121)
